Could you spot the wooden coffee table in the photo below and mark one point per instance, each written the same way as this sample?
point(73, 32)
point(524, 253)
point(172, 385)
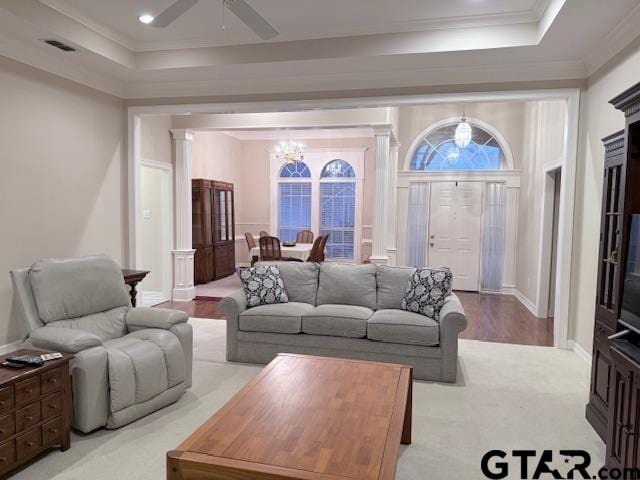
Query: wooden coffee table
point(307, 418)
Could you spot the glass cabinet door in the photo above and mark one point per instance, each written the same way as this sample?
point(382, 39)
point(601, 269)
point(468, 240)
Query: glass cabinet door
point(610, 239)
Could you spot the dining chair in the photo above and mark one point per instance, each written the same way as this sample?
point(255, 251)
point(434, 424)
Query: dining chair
point(263, 234)
point(251, 242)
point(304, 236)
point(270, 250)
point(323, 245)
point(314, 254)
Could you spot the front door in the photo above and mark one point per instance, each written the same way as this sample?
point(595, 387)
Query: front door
point(455, 229)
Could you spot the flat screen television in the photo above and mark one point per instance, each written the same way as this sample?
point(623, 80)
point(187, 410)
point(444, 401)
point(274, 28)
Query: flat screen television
point(630, 315)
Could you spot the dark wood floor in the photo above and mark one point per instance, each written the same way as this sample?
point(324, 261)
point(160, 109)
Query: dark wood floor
point(196, 308)
point(503, 319)
point(492, 318)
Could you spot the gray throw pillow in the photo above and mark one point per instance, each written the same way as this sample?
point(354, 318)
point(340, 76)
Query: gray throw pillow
point(426, 291)
point(263, 285)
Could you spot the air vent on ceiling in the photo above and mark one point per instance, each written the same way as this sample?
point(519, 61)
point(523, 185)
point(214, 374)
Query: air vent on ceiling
point(62, 46)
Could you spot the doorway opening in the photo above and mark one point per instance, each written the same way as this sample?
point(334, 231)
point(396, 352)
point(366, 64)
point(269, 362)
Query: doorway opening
point(156, 229)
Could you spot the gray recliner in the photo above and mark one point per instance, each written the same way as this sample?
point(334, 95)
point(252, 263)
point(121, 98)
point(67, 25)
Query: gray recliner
point(128, 361)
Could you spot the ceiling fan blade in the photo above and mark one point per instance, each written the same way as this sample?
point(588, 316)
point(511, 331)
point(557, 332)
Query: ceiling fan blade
point(252, 19)
point(169, 15)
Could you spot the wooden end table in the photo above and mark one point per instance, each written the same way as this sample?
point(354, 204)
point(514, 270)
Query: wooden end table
point(35, 409)
point(304, 418)
point(132, 278)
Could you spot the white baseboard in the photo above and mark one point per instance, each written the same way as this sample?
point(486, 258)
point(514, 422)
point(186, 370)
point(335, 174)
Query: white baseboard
point(10, 347)
point(527, 303)
point(581, 352)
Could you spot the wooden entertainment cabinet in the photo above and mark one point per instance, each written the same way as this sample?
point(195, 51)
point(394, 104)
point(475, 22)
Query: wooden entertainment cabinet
point(614, 401)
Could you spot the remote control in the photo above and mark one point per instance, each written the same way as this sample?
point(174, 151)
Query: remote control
point(29, 360)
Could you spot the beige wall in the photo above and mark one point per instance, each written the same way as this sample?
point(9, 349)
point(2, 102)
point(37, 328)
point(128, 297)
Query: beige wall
point(506, 117)
point(63, 184)
point(543, 131)
point(156, 138)
point(597, 120)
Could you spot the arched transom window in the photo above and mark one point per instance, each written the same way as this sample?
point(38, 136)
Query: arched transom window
point(437, 151)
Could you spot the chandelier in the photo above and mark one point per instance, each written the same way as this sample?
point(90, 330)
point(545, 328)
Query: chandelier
point(462, 136)
point(290, 151)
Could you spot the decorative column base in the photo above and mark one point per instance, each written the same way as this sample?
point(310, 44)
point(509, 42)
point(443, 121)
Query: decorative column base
point(392, 254)
point(183, 287)
point(383, 260)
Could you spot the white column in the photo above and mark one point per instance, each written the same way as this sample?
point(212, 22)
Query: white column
point(392, 207)
point(382, 136)
point(183, 286)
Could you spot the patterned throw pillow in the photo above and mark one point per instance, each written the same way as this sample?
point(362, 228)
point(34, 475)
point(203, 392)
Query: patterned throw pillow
point(263, 285)
point(427, 290)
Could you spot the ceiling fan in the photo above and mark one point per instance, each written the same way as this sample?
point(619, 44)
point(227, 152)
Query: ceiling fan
point(240, 8)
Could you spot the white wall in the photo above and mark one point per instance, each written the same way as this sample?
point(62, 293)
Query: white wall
point(63, 184)
point(597, 120)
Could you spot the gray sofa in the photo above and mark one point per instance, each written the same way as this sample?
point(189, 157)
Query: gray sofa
point(350, 311)
point(128, 362)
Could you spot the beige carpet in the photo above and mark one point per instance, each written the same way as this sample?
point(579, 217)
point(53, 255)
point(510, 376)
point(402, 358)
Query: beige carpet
point(507, 397)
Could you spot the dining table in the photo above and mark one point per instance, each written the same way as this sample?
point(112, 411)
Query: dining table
point(299, 250)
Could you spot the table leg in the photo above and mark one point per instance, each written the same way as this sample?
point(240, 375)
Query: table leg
point(406, 427)
point(133, 292)
point(254, 259)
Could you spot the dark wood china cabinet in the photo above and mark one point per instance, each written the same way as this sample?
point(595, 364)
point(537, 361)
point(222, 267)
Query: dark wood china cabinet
point(213, 229)
point(614, 401)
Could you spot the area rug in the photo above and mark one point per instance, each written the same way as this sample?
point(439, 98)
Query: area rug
point(507, 397)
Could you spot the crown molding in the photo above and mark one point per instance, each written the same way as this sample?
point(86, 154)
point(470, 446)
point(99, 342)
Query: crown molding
point(624, 33)
point(297, 134)
point(385, 79)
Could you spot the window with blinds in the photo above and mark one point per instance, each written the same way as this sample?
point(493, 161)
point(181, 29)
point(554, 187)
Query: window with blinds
point(338, 209)
point(294, 200)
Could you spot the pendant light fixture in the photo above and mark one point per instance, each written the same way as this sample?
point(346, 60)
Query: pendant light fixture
point(290, 152)
point(462, 136)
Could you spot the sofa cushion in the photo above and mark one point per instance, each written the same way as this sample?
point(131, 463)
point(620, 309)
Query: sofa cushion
point(276, 318)
point(263, 285)
point(300, 280)
point(337, 320)
point(427, 291)
point(392, 284)
point(407, 328)
point(344, 284)
point(77, 287)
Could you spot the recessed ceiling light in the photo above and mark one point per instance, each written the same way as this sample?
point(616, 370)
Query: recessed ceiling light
point(146, 18)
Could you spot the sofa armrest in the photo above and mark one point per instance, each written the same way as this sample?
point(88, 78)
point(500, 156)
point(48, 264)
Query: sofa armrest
point(452, 316)
point(60, 339)
point(452, 322)
point(232, 306)
point(146, 317)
